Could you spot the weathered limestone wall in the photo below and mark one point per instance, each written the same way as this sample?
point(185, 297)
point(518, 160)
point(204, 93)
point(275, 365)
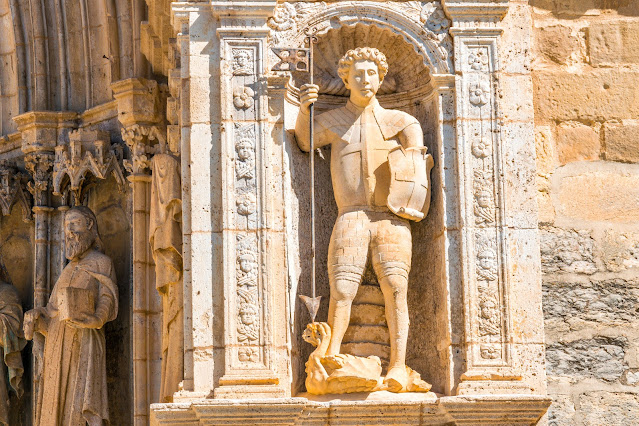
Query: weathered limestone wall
point(586, 74)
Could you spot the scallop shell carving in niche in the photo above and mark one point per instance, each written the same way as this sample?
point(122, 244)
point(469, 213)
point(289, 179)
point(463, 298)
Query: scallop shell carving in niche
point(406, 67)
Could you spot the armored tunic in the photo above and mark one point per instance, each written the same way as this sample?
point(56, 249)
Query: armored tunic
point(360, 140)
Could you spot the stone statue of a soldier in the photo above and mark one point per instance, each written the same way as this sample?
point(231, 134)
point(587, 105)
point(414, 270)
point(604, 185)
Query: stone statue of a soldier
point(376, 196)
point(73, 384)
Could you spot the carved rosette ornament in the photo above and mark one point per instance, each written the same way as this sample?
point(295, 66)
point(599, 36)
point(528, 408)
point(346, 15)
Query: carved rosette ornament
point(13, 190)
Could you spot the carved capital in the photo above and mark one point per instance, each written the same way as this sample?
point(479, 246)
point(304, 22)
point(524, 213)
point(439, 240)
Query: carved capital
point(12, 190)
point(39, 165)
point(143, 142)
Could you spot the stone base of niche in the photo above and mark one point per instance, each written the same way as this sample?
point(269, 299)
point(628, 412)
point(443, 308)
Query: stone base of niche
point(377, 408)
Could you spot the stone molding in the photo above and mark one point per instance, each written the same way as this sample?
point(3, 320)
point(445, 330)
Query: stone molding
point(451, 410)
point(469, 13)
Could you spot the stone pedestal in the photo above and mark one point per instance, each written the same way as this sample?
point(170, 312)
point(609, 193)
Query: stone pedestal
point(474, 289)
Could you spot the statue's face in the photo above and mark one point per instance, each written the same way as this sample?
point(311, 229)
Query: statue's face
point(77, 234)
point(363, 81)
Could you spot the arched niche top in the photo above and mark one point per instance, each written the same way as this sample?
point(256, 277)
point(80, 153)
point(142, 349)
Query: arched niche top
point(423, 26)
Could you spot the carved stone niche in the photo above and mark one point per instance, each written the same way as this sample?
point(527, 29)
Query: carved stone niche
point(470, 334)
point(88, 152)
point(13, 190)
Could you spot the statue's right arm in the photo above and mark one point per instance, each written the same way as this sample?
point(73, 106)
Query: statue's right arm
point(308, 96)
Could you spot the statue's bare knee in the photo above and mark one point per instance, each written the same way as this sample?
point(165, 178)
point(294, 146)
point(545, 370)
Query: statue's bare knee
point(394, 287)
point(343, 291)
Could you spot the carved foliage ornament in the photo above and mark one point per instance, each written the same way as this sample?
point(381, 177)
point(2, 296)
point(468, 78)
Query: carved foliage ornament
point(247, 293)
point(139, 139)
point(39, 166)
point(12, 190)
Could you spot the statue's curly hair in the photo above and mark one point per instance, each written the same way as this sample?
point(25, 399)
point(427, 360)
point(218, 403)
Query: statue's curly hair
point(366, 53)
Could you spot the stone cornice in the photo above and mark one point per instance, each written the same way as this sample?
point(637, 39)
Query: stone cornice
point(139, 101)
point(43, 130)
point(255, 9)
point(468, 13)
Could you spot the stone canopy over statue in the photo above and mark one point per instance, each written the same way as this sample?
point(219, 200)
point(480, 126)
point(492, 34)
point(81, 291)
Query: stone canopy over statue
point(380, 174)
point(73, 386)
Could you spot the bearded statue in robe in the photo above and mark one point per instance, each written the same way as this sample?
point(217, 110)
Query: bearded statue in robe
point(11, 343)
point(73, 381)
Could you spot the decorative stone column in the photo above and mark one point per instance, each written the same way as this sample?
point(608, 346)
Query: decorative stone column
point(140, 112)
point(237, 289)
point(503, 322)
point(41, 132)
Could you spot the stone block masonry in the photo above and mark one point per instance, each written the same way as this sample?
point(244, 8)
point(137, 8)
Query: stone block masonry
point(585, 74)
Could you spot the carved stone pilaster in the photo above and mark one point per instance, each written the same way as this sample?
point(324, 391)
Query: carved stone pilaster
point(141, 114)
point(12, 190)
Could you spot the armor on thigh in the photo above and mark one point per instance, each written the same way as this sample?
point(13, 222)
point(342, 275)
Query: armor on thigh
point(348, 248)
point(391, 247)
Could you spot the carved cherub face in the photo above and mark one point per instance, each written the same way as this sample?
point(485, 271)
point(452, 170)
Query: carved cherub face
point(484, 198)
point(363, 81)
point(244, 150)
point(488, 309)
point(247, 263)
point(487, 260)
point(243, 58)
point(248, 315)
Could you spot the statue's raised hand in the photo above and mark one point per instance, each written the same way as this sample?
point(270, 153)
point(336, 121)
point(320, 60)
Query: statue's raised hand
point(308, 96)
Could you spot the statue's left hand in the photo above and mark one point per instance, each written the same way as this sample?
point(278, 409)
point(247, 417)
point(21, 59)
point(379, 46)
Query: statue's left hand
point(87, 321)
